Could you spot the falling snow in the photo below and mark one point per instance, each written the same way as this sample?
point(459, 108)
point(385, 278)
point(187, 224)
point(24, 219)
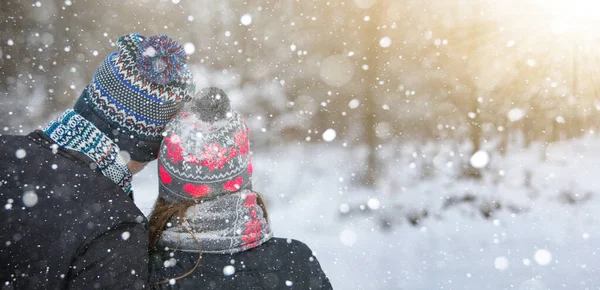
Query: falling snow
point(501, 263)
point(246, 19)
point(228, 270)
point(516, 114)
point(385, 42)
point(437, 145)
point(373, 203)
point(189, 48)
point(21, 153)
point(543, 257)
point(480, 159)
point(30, 198)
point(348, 237)
point(329, 135)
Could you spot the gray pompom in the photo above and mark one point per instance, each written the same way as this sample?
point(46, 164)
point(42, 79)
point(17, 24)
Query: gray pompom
point(211, 105)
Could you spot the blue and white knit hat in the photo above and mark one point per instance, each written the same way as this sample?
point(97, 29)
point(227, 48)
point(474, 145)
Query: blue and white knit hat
point(136, 91)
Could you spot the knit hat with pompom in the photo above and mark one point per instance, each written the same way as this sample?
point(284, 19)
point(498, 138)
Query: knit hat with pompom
point(136, 91)
point(205, 152)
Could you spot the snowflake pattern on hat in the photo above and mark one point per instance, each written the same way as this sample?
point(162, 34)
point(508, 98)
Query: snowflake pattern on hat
point(214, 156)
point(201, 159)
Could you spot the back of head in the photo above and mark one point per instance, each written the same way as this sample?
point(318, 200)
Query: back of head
point(205, 152)
point(136, 91)
point(205, 173)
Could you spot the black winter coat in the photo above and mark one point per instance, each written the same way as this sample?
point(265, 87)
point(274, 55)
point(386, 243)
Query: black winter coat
point(64, 225)
point(276, 264)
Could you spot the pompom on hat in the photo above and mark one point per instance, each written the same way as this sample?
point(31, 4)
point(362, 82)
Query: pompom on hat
point(205, 152)
point(161, 59)
point(136, 91)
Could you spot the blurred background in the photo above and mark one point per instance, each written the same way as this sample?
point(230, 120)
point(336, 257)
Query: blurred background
point(413, 144)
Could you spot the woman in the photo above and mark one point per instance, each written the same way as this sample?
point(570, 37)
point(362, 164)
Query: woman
point(209, 229)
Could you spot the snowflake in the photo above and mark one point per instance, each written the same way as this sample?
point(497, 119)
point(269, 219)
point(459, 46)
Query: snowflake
point(250, 200)
point(253, 228)
point(191, 159)
point(214, 156)
point(174, 150)
point(241, 141)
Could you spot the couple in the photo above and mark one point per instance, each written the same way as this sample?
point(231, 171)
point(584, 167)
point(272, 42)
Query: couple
point(69, 221)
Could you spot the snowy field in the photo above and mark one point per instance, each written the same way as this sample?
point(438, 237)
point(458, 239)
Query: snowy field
point(543, 236)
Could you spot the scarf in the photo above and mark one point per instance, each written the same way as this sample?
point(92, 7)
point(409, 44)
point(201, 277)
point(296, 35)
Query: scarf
point(226, 224)
point(72, 131)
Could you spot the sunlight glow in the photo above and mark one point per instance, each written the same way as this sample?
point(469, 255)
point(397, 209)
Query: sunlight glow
point(575, 17)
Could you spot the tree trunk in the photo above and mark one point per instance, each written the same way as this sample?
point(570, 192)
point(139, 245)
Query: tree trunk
point(475, 133)
point(373, 167)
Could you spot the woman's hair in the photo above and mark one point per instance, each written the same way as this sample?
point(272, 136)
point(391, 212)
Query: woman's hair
point(161, 214)
point(164, 212)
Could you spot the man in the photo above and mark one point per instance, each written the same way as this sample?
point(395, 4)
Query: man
point(66, 220)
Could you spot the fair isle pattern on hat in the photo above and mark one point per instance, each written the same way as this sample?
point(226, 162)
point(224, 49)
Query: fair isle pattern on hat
point(129, 100)
point(225, 146)
point(205, 152)
point(205, 163)
point(178, 89)
point(71, 131)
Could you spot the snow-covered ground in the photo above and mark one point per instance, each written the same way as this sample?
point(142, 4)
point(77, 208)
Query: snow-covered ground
point(545, 235)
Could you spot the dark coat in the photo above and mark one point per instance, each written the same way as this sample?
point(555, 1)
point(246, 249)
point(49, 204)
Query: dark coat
point(64, 225)
point(276, 264)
